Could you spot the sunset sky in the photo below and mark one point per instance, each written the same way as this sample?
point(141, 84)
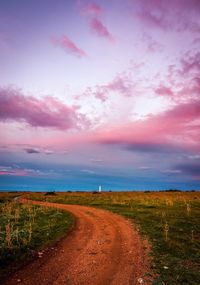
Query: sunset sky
point(100, 92)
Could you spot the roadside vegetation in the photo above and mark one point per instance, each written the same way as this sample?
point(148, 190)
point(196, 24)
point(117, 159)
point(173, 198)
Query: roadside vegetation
point(169, 220)
point(26, 229)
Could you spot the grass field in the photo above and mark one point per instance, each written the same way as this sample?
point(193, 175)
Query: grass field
point(25, 229)
point(170, 221)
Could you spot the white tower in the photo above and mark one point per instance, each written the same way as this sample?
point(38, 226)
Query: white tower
point(99, 188)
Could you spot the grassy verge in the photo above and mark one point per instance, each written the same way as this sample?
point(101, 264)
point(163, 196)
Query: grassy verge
point(26, 229)
point(169, 220)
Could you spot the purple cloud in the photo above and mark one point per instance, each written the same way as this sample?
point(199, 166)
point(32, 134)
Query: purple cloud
point(32, 150)
point(190, 169)
point(179, 15)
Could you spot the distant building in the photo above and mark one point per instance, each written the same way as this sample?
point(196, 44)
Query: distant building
point(100, 189)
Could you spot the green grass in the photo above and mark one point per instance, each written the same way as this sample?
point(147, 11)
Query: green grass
point(170, 221)
point(26, 229)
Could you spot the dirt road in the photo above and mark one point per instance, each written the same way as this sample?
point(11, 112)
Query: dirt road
point(103, 249)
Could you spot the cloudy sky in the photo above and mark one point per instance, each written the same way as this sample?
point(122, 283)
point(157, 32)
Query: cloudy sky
point(99, 92)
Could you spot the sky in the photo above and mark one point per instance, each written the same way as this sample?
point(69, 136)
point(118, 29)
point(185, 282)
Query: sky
point(99, 93)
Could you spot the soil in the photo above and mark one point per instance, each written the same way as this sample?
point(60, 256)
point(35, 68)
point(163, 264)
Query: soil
point(103, 248)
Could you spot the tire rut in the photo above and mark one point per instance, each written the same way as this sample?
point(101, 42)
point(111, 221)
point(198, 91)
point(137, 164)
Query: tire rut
point(103, 249)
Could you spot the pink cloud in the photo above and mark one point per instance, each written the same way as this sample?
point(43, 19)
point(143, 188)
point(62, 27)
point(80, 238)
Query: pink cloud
point(14, 173)
point(45, 112)
point(183, 81)
point(175, 129)
point(98, 27)
point(152, 19)
point(188, 74)
point(190, 63)
point(151, 44)
point(92, 9)
point(17, 171)
point(121, 84)
point(8, 170)
point(68, 46)
point(162, 90)
point(101, 94)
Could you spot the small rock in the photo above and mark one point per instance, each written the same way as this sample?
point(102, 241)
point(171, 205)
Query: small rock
point(140, 281)
point(165, 267)
point(93, 252)
point(40, 254)
point(19, 280)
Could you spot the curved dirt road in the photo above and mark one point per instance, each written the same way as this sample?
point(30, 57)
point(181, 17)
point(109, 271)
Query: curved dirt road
point(102, 249)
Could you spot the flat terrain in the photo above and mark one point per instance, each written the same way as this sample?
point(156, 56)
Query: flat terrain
point(169, 220)
point(103, 249)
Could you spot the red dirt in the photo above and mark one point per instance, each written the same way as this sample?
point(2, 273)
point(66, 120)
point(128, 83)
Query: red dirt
point(104, 248)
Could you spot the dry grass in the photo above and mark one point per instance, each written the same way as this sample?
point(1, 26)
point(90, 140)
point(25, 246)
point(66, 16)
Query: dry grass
point(170, 221)
point(26, 228)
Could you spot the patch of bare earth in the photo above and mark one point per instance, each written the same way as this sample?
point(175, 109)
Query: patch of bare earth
point(103, 248)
